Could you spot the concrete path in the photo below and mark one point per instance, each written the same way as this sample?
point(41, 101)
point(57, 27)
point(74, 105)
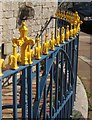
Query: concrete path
point(81, 102)
point(85, 65)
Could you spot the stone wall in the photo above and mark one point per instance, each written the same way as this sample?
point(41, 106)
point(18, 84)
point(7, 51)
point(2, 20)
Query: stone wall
point(10, 11)
point(9, 15)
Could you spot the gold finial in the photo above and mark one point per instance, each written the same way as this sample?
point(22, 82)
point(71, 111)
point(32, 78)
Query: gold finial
point(24, 43)
point(52, 41)
point(38, 49)
point(2, 65)
point(71, 31)
point(67, 32)
point(46, 45)
point(23, 30)
point(57, 43)
point(63, 35)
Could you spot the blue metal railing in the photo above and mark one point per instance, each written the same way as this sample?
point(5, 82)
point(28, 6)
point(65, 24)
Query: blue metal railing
point(54, 77)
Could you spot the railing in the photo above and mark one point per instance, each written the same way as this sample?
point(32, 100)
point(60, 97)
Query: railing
point(44, 82)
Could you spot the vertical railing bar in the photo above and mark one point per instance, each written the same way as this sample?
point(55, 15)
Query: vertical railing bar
point(51, 94)
point(38, 81)
point(29, 80)
point(15, 114)
point(61, 78)
point(24, 95)
point(45, 94)
point(60, 34)
point(77, 59)
point(66, 70)
point(73, 67)
point(73, 55)
point(56, 81)
point(38, 84)
point(44, 102)
point(69, 106)
point(70, 74)
point(1, 98)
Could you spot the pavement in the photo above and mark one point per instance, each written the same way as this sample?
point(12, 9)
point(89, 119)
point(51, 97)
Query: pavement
point(81, 102)
point(85, 67)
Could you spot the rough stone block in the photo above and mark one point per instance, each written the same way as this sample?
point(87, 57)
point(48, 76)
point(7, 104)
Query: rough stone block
point(0, 15)
point(12, 23)
point(14, 6)
point(1, 22)
point(8, 14)
point(6, 6)
point(15, 13)
point(0, 37)
point(0, 6)
point(7, 35)
point(7, 48)
point(38, 12)
point(9, 6)
point(46, 13)
point(0, 28)
point(4, 21)
point(16, 33)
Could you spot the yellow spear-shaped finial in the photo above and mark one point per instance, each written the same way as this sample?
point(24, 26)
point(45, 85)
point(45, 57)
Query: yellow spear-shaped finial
point(63, 35)
point(46, 45)
point(13, 58)
point(71, 31)
point(38, 49)
point(57, 43)
point(67, 33)
point(2, 65)
point(75, 29)
point(52, 41)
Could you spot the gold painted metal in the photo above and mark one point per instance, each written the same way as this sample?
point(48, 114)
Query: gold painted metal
point(2, 65)
point(57, 42)
point(24, 42)
point(46, 45)
point(38, 49)
point(67, 33)
point(71, 31)
point(52, 41)
point(63, 36)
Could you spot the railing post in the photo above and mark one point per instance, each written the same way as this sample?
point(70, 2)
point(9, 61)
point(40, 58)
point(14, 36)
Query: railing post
point(38, 85)
point(24, 94)
point(29, 80)
point(15, 114)
point(44, 97)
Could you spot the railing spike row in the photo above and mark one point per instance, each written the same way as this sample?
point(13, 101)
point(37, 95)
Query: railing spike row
point(25, 43)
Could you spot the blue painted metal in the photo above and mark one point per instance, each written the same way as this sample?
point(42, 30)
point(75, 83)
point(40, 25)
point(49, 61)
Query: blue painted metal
point(61, 88)
point(29, 80)
point(24, 94)
point(15, 114)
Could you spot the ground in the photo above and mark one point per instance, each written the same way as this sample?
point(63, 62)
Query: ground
point(85, 65)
